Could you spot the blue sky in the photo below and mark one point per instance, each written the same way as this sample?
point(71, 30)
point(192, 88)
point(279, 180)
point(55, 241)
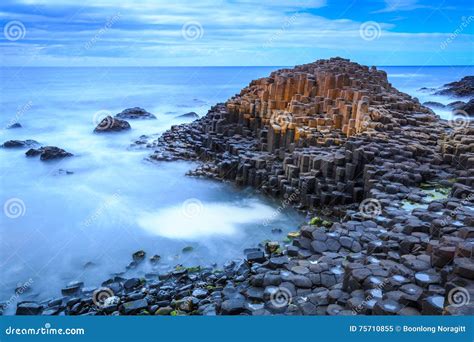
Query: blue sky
point(235, 32)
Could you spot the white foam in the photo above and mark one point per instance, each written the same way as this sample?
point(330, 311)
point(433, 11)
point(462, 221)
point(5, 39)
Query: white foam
point(209, 219)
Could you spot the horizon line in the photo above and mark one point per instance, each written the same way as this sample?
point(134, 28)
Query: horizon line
point(215, 66)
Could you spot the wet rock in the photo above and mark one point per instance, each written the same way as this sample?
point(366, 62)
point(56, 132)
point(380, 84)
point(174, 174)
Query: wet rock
point(110, 124)
point(433, 305)
point(135, 113)
point(187, 249)
point(28, 308)
point(468, 108)
point(462, 88)
point(464, 267)
point(19, 143)
point(277, 262)
point(134, 306)
point(255, 255)
point(234, 307)
point(138, 256)
point(48, 153)
point(386, 307)
point(190, 115)
point(72, 288)
point(424, 279)
point(155, 259)
point(14, 125)
point(132, 283)
point(272, 247)
point(164, 311)
point(433, 104)
point(200, 293)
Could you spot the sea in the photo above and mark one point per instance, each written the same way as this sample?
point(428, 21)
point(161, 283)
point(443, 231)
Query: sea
point(82, 218)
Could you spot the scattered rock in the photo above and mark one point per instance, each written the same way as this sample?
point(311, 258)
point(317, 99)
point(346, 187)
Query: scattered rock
point(135, 113)
point(190, 115)
point(110, 124)
point(48, 153)
point(19, 143)
point(14, 125)
point(433, 104)
point(461, 88)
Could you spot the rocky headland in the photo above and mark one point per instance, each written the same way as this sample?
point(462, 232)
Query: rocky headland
point(388, 186)
point(464, 88)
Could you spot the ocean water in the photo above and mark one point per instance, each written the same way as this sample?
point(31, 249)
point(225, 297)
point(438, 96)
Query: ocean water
point(411, 79)
point(57, 227)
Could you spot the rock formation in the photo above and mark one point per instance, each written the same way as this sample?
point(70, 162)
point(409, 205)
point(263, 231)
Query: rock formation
point(135, 113)
point(462, 88)
point(111, 124)
point(48, 153)
point(389, 186)
point(336, 135)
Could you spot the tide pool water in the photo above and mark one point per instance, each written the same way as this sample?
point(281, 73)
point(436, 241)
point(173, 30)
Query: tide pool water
point(81, 218)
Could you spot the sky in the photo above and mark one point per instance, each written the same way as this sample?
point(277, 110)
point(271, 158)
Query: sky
point(235, 32)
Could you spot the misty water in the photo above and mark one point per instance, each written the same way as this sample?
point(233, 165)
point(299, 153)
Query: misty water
point(81, 218)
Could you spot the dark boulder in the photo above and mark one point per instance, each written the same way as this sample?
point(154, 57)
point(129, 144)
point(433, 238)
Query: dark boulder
point(135, 113)
point(461, 88)
point(14, 125)
point(110, 124)
point(28, 308)
point(468, 107)
point(19, 143)
point(456, 105)
point(48, 153)
point(234, 307)
point(190, 115)
point(433, 104)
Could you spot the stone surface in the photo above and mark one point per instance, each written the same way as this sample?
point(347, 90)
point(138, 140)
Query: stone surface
point(135, 113)
point(48, 153)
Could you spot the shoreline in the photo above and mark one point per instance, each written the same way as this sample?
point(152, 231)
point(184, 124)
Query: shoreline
point(381, 259)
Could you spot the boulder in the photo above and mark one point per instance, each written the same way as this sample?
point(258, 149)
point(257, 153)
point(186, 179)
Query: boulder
point(110, 124)
point(462, 88)
point(19, 143)
point(190, 115)
point(28, 308)
point(48, 153)
point(135, 113)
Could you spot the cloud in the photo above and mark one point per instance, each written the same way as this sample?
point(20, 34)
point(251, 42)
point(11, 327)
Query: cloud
point(231, 32)
point(400, 5)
